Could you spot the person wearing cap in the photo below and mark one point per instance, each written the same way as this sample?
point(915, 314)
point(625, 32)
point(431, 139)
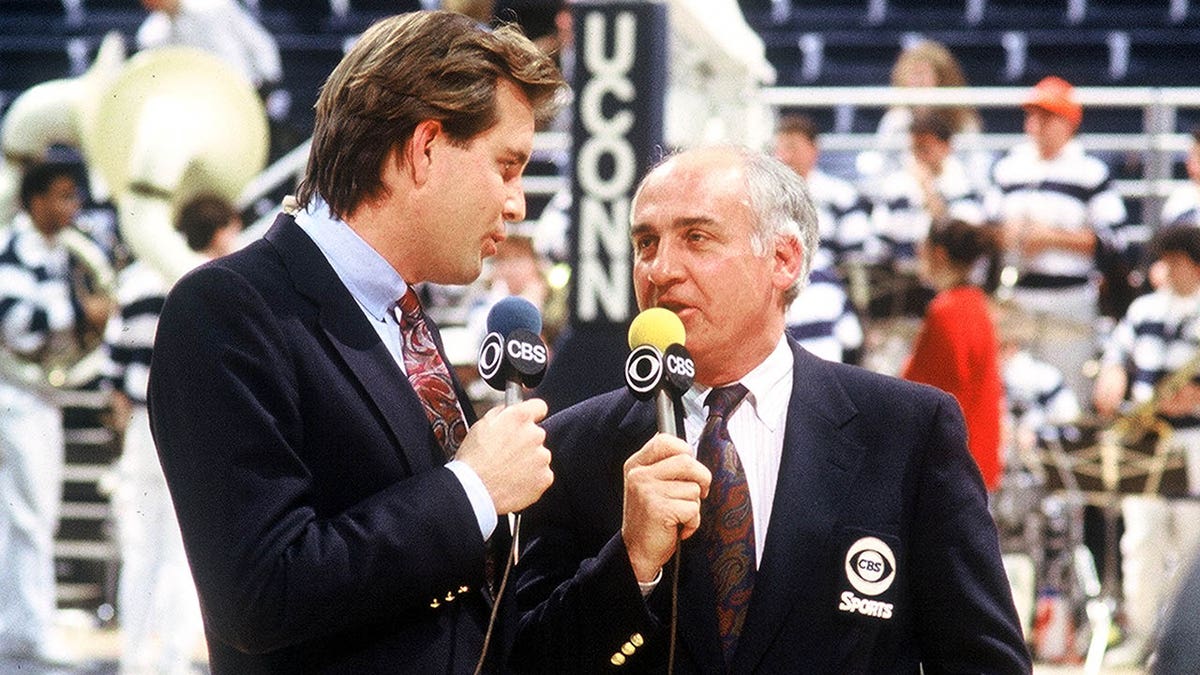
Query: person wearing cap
point(1154, 347)
point(1055, 205)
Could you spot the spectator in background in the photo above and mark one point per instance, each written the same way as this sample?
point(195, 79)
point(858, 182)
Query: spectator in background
point(956, 349)
point(160, 615)
point(931, 184)
point(1038, 397)
point(823, 320)
point(222, 27)
point(842, 217)
point(516, 269)
point(1055, 206)
point(1151, 354)
point(924, 63)
point(1183, 205)
point(43, 310)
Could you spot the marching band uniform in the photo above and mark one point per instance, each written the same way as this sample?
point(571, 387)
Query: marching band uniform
point(822, 319)
point(35, 304)
point(160, 613)
point(1158, 336)
point(1070, 191)
point(843, 220)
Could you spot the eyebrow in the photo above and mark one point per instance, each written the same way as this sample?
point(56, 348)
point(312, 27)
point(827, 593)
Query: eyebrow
point(520, 156)
point(676, 224)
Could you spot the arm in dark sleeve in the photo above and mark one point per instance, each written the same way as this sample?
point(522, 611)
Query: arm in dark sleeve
point(232, 426)
point(967, 622)
point(577, 595)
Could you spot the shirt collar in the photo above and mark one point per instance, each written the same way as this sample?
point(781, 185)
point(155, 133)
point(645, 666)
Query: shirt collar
point(374, 283)
point(768, 384)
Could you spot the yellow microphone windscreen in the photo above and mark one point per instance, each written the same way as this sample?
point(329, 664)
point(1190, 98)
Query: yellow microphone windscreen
point(658, 327)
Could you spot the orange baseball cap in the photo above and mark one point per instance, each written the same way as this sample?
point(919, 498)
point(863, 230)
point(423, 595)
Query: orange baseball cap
point(1055, 95)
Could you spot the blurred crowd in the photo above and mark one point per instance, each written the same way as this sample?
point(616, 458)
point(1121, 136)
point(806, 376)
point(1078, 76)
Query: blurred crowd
point(1010, 281)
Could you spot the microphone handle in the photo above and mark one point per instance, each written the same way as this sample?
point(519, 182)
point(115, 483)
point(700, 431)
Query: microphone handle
point(665, 406)
point(512, 392)
point(512, 396)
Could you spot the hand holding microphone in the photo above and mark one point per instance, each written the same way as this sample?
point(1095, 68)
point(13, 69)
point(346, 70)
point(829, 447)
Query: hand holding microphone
point(506, 447)
point(664, 482)
point(512, 356)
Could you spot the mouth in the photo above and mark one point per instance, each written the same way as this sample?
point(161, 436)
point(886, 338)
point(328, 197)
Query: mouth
point(678, 308)
point(490, 245)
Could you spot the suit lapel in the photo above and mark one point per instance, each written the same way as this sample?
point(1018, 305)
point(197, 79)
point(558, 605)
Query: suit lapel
point(815, 471)
point(357, 343)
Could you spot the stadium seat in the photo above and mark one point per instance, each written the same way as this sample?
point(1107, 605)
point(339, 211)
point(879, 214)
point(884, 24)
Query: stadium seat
point(1018, 14)
point(1145, 13)
point(920, 14)
point(30, 60)
point(1165, 57)
point(307, 61)
point(1083, 57)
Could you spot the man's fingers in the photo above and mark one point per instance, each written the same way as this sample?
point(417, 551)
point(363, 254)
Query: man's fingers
point(657, 449)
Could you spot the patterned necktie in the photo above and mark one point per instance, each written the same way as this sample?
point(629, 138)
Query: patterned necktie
point(429, 375)
point(726, 519)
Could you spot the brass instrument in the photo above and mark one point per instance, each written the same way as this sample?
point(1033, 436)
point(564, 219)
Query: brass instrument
point(156, 130)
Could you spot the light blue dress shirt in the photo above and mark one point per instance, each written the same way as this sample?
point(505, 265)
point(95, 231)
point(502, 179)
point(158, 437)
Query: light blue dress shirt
point(376, 286)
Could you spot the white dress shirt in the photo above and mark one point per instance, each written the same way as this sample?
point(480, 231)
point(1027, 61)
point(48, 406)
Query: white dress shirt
point(756, 427)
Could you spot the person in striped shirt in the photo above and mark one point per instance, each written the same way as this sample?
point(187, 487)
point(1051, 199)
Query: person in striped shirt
point(1158, 339)
point(1183, 204)
point(159, 612)
point(1056, 208)
point(43, 312)
point(932, 184)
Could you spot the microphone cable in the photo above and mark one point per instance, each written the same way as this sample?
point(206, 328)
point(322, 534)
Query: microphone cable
point(510, 559)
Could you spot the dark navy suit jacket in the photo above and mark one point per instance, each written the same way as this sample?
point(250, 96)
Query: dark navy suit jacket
point(880, 554)
point(323, 532)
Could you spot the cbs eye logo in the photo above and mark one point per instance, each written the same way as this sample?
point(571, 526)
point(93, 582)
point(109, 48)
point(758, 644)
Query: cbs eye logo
point(870, 566)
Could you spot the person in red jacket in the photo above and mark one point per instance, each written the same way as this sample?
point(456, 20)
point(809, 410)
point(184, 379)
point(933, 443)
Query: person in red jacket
point(956, 349)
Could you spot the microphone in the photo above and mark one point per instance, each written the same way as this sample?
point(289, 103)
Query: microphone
point(659, 366)
point(513, 354)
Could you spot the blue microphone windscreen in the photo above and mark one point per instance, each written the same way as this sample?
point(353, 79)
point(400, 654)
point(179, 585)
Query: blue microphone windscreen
point(512, 313)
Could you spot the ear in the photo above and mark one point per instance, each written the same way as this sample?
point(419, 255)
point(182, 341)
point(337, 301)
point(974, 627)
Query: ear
point(789, 259)
point(416, 155)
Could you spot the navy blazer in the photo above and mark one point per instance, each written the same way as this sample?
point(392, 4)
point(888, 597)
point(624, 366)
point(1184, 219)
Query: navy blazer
point(880, 554)
point(322, 530)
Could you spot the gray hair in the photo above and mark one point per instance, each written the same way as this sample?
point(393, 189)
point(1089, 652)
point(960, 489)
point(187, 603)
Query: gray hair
point(782, 209)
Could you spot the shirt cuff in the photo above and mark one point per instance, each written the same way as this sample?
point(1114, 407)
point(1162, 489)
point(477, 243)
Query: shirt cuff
point(648, 587)
point(481, 501)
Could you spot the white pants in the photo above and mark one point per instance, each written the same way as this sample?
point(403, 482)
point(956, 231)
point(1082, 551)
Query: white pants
point(31, 476)
point(160, 614)
point(1065, 324)
point(1161, 537)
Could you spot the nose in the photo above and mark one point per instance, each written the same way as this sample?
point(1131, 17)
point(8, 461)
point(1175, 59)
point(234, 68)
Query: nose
point(514, 203)
point(664, 269)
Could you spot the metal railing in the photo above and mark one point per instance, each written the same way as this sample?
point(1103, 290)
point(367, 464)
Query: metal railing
point(1157, 142)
